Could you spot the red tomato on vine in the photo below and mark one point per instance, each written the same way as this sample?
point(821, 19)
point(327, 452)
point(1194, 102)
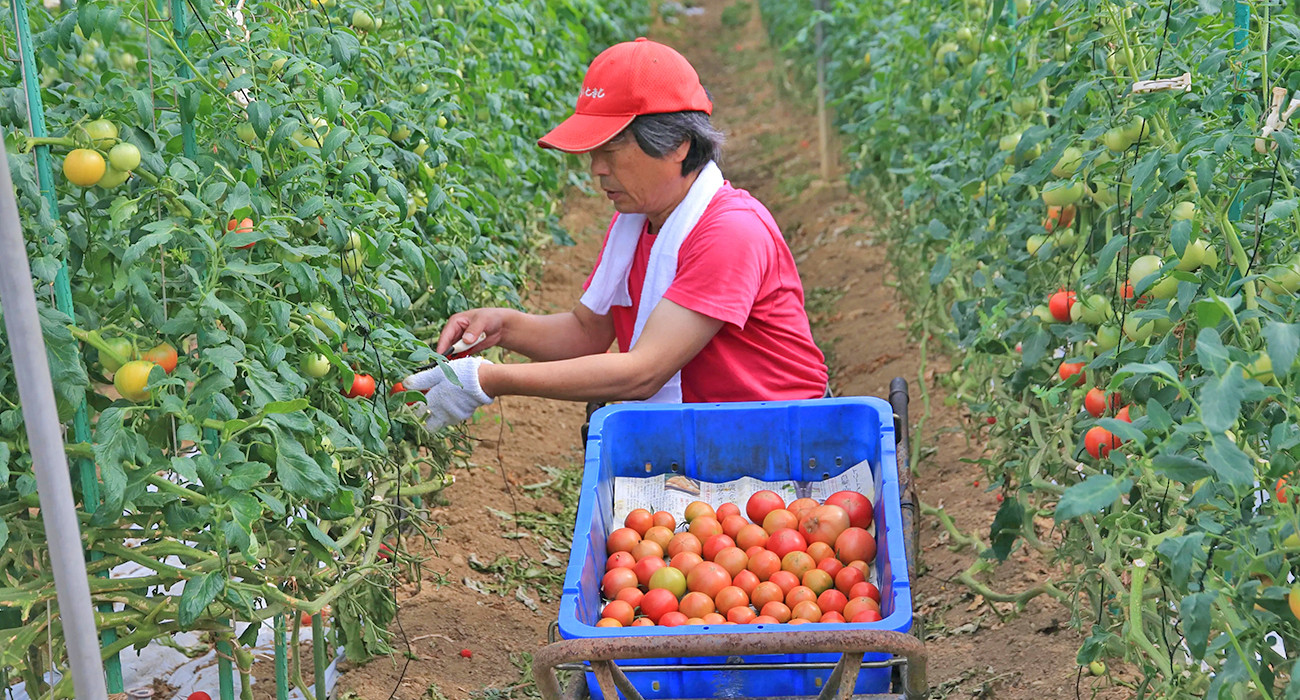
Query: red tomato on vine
point(363, 386)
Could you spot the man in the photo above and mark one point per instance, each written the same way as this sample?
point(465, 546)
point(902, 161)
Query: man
point(694, 280)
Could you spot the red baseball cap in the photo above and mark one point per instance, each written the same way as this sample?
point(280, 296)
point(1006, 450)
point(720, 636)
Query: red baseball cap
point(625, 81)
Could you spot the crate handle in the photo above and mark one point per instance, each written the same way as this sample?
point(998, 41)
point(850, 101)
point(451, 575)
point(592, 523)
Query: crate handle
point(851, 643)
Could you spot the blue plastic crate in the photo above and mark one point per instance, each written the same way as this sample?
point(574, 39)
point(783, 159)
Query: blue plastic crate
point(768, 440)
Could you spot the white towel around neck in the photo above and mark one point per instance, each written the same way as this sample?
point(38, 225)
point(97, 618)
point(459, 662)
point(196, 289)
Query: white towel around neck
point(609, 284)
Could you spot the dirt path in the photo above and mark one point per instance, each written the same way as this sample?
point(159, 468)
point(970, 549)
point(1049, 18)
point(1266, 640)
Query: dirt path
point(507, 520)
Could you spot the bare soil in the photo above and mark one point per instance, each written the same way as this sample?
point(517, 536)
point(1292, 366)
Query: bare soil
point(505, 523)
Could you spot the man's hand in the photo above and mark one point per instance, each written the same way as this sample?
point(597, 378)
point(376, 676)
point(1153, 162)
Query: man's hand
point(445, 403)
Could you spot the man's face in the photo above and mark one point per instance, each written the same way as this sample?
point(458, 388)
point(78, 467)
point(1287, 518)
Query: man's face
point(634, 181)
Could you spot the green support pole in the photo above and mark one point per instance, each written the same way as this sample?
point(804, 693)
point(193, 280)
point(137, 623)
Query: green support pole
point(1240, 36)
point(63, 300)
point(318, 654)
point(281, 660)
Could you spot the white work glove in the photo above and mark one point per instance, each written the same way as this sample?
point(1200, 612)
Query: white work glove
point(444, 402)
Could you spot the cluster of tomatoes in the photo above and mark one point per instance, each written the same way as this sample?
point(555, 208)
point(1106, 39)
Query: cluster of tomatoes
point(796, 563)
point(130, 368)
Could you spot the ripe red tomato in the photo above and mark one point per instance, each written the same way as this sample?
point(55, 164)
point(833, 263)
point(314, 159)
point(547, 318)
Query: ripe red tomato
point(733, 524)
point(776, 610)
point(363, 386)
point(786, 580)
point(847, 579)
point(646, 548)
point(1059, 304)
point(799, 594)
point(780, 519)
point(707, 578)
point(855, 504)
point(242, 226)
point(751, 536)
point(824, 523)
point(741, 615)
point(696, 604)
point(733, 559)
point(857, 605)
point(746, 581)
point(1072, 369)
point(673, 619)
point(727, 509)
point(820, 551)
point(657, 602)
point(830, 565)
point(832, 600)
point(832, 616)
point(855, 544)
point(1279, 490)
point(806, 610)
point(685, 561)
point(660, 535)
point(1095, 402)
point(764, 564)
point(1099, 441)
point(799, 506)
point(765, 593)
point(608, 622)
point(865, 588)
point(622, 540)
point(730, 597)
point(764, 620)
point(705, 526)
point(715, 544)
point(697, 509)
point(663, 518)
point(631, 596)
point(714, 619)
point(620, 559)
point(786, 540)
point(616, 580)
point(684, 542)
point(199, 695)
point(640, 520)
point(762, 503)
point(643, 622)
point(645, 568)
point(163, 355)
point(619, 610)
point(868, 615)
point(1123, 415)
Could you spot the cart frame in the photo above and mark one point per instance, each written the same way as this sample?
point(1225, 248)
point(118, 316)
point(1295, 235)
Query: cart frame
point(907, 650)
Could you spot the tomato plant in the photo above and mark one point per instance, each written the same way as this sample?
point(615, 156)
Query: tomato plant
point(205, 189)
point(1174, 280)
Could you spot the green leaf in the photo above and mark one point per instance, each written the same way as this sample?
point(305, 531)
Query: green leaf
point(1183, 553)
point(335, 138)
point(1123, 430)
point(298, 473)
point(199, 592)
point(1210, 351)
point(1283, 341)
point(146, 243)
point(1180, 467)
point(246, 510)
point(4, 462)
point(245, 476)
point(286, 129)
point(114, 447)
point(940, 271)
point(1006, 528)
point(1195, 611)
point(1090, 496)
point(259, 115)
point(1220, 398)
point(1232, 466)
point(4, 534)
point(319, 535)
point(1158, 416)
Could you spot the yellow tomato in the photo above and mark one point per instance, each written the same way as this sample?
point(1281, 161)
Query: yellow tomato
point(84, 167)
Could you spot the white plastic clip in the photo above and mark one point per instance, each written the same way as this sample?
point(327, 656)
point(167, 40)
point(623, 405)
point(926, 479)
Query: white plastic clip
point(1182, 82)
point(1273, 122)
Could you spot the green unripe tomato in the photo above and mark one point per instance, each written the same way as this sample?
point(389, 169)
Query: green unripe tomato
point(362, 21)
point(421, 88)
point(124, 156)
point(1144, 267)
point(1166, 288)
point(1135, 129)
point(1107, 336)
point(1097, 668)
point(1024, 105)
point(1059, 194)
point(353, 242)
point(1138, 331)
point(315, 365)
point(1183, 211)
point(1044, 314)
point(1069, 163)
point(123, 347)
point(442, 122)
point(1116, 140)
point(103, 132)
point(246, 132)
point(1035, 243)
point(352, 262)
point(112, 178)
point(1261, 368)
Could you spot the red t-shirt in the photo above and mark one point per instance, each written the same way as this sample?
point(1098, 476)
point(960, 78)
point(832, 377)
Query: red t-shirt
point(735, 267)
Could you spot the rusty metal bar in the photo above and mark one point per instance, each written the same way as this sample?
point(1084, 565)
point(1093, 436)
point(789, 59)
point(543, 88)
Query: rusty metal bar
point(623, 684)
point(605, 678)
point(898, 401)
point(741, 644)
point(847, 665)
point(741, 665)
point(852, 664)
